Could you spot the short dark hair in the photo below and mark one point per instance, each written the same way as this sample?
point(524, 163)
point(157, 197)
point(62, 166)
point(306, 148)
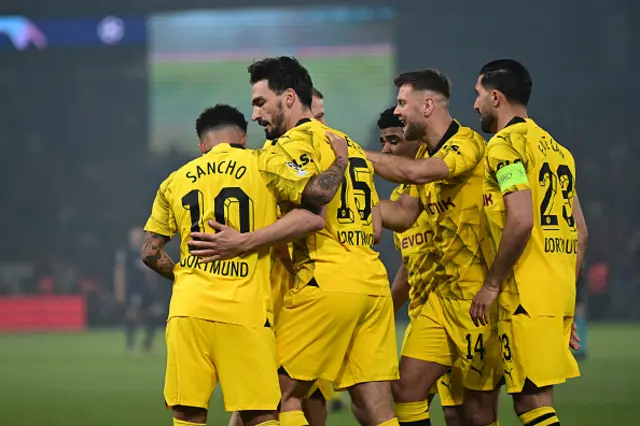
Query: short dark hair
point(429, 79)
point(218, 116)
point(282, 73)
point(388, 119)
point(509, 77)
point(318, 94)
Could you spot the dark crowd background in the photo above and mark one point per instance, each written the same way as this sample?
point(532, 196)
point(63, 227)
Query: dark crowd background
point(77, 172)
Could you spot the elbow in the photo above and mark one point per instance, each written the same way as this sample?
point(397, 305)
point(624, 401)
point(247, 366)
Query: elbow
point(524, 226)
point(317, 199)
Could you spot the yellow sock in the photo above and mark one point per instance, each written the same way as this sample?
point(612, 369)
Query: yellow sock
point(413, 412)
point(177, 422)
point(269, 423)
point(293, 418)
point(392, 422)
point(543, 416)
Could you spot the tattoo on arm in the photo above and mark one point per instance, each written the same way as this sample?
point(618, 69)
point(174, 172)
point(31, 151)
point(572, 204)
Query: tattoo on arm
point(322, 188)
point(154, 256)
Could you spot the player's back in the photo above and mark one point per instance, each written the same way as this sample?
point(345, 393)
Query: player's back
point(454, 207)
point(340, 257)
point(224, 185)
point(544, 277)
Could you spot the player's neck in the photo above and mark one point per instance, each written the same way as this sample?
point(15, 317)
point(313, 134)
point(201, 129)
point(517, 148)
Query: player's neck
point(504, 117)
point(436, 129)
point(298, 114)
point(222, 135)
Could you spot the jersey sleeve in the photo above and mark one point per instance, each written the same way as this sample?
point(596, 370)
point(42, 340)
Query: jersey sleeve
point(162, 220)
point(460, 156)
point(507, 164)
point(284, 178)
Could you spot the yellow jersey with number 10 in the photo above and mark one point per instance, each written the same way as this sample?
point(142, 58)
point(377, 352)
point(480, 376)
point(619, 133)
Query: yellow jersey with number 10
point(239, 188)
point(340, 258)
point(523, 156)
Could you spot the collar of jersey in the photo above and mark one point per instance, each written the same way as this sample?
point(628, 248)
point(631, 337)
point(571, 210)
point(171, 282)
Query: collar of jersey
point(302, 121)
point(225, 145)
point(516, 120)
point(299, 123)
point(451, 131)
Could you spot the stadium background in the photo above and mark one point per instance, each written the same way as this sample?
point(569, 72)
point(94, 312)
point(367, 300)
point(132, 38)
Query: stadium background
point(94, 120)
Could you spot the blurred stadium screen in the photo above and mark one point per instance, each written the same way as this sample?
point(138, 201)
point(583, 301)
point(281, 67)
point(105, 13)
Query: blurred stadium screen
point(199, 58)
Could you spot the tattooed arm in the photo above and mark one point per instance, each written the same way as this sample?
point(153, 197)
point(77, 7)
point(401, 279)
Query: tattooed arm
point(154, 256)
point(322, 188)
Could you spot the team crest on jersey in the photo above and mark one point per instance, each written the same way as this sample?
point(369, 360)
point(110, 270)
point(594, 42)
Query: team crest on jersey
point(299, 170)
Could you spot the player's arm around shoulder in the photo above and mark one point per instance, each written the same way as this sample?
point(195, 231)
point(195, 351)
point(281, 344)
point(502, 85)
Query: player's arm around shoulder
point(285, 180)
point(407, 170)
point(321, 189)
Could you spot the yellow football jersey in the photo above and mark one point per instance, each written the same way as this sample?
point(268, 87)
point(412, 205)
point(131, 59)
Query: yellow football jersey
point(544, 279)
point(340, 257)
point(239, 188)
point(454, 209)
point(416, 247)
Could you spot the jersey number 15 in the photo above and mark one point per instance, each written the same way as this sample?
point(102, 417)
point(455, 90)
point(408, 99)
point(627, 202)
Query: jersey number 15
point(361, 194)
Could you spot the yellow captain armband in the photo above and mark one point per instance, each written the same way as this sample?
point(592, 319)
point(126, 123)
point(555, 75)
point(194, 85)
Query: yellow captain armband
point(512, 175)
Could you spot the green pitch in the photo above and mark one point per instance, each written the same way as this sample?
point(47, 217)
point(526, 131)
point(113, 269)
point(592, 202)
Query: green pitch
point(356, 89)
point(85, 379)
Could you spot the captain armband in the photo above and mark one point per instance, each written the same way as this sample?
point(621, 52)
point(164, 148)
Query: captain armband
point(512, 175)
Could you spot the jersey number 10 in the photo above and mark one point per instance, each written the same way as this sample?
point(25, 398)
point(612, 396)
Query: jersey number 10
point(194, 202)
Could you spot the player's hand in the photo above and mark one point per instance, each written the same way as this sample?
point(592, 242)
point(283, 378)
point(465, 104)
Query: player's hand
point(226, 243)
point(338, 144)
point(482, 303)
point(574, 342)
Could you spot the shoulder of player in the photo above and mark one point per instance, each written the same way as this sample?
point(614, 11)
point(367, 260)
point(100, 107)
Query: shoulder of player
point(467, 135)
point(510, 134)
point(466, 139)
point(352, 143)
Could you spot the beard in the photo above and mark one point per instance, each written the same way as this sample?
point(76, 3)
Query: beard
point(415, 131)
point(488, 122)
point(277, 126)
